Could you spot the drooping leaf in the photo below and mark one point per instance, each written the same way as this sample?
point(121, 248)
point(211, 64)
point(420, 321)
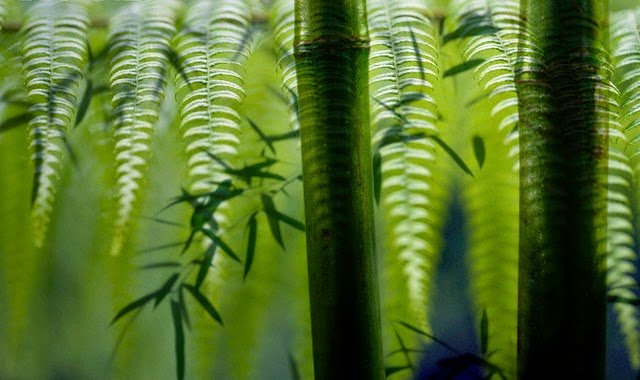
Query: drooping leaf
point(452, 153)
point(176, 316)
point(205, 265)
point(484, 333)
point(272, 217)
point(84, 103)
point(165, 289)
point(463, 67)
point(15, 122)
point(251, 244)
point(223, 246)
point(140, 302)
point(204, 302)
point(479, 150)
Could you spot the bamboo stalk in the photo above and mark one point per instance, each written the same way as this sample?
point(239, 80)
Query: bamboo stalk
point(561, 326)
point(331, 51)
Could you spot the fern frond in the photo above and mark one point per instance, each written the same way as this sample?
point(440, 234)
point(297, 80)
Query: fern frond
point(139, 46)
point(283, 20)
point(3, 12)
point(212, 53)
point(623, 184)
point(489, 35)
point(403, 73)
point(54, 52)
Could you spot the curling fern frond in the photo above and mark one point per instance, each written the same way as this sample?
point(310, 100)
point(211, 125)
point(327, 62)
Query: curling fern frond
point(403, 73)
point(489, 36)
point(624, 187)
point(140, 46)
point(54, 52)
point(212, 53)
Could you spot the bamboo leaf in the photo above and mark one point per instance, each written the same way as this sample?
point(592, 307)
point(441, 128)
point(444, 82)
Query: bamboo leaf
point(176, 314)
point(165, 289)
point(298, 225)
point(479, 150)
point(205, 265)
point(461, 68)
point(484, 333)
point(272, 217)
point(133, 305)
point(391, 370)
point(452, 154)
point(83, 107)
point(204, 302)
point(15, 122)
point(251, 244)
point(225, 248)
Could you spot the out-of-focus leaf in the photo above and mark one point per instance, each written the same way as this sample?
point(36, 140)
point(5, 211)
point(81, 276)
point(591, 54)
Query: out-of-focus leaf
point(272, 217)
point(479, 150)
point(461, 68)
point(83, 107)
point(298, 225)
point(15, 121)
point(484, 332)
point(163, 264)
point(391, 370)
point(251, 244)
point(176, 314)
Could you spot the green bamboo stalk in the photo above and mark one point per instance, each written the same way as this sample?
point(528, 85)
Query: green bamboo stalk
point(561, 325)
point(331, 52)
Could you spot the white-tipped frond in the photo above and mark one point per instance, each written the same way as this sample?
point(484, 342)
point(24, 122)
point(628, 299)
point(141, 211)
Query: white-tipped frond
point(54, 52)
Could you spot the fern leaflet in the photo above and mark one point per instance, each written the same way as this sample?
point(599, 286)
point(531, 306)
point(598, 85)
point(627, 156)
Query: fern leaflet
point(54, 52)
point(403, 73)
point(140, 45)
point(624, 202)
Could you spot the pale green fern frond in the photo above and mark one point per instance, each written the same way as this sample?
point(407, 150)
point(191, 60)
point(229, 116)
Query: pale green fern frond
point(3, 12)
point(402, 75)
point(489, 38)
point(283, 20)
point(212, 53)
point(140, 48)
point(54, 52)
point(623, 184)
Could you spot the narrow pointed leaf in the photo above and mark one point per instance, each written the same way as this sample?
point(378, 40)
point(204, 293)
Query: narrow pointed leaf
point(459, 161)
point(205, 265)
point(204, 302)
point(176, 314)
point(484, 333)
point(133, 306)
point(479, 150)
point(83, 107)
point(166, 288)
point(272, 217)
point(461, 68)
point(251, 244)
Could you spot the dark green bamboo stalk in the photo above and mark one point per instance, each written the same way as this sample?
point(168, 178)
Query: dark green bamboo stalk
point(561, 325)
point(331, 51)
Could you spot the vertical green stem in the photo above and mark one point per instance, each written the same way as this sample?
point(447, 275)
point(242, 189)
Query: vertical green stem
point(331, 52)
point(561, 326)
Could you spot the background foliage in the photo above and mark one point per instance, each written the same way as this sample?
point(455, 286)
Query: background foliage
point(57, 302)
